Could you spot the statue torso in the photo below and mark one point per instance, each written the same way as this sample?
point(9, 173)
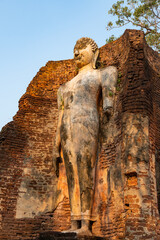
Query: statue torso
point(80, 95)
point(80, 121)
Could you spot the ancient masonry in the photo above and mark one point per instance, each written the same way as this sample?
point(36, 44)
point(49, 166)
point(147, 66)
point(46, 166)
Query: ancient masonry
point(33, 200)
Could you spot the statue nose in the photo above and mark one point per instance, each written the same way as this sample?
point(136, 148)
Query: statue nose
point(76, 53)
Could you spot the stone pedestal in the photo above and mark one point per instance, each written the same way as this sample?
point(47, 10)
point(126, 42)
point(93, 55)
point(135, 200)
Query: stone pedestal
point(65, 236)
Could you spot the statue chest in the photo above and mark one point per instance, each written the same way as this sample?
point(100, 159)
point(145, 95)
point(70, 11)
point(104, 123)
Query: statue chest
point(82, 89)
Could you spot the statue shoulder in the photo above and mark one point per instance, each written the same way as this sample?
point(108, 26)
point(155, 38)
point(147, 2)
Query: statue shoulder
point(109, 76)
point(109, 71)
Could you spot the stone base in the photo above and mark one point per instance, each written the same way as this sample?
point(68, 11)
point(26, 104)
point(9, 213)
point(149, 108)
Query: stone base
point(65, 236)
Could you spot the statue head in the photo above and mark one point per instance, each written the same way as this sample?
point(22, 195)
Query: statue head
point(85, 52)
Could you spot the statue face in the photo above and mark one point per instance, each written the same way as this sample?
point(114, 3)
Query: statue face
point(83, 56)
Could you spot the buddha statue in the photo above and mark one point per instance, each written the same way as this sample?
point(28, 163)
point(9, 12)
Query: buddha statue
point(77, 135)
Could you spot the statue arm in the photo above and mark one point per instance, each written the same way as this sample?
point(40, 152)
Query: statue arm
point(58, 137)
point(60, 110)
point(109, 81)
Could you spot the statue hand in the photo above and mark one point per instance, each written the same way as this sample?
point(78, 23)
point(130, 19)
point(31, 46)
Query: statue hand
point(108, 112)
point(56, 161)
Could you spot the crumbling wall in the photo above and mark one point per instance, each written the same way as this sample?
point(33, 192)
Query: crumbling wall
point(34, 199)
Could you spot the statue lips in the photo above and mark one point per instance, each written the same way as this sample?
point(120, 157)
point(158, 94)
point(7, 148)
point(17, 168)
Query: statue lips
point(79, 61)
point(78, 58)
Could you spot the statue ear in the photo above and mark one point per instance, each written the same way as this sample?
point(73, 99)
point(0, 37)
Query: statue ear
point(95, 58)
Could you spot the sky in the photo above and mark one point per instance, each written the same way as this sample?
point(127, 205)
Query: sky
point(33, 32)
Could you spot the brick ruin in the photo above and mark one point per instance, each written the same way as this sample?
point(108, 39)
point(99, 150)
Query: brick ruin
point(127, 196)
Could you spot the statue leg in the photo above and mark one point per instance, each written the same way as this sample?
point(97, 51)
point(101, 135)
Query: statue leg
point(80, 177)
point(79, 152)
point(86, 172)
point(73, 185)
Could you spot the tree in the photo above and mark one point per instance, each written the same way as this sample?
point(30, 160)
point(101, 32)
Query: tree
point(144, 14)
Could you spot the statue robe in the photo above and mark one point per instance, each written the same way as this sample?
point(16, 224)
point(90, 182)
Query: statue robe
point(78, 103)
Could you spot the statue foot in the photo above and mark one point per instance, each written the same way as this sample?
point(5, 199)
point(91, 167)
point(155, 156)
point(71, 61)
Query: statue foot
point(74, 227)
point(83, 232)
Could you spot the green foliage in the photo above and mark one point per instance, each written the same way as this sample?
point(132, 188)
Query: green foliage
point(110, 39)
point(61, 102)
point(110, 93)
point(118, 80)
point(144, 14)
point(76, 69)
point(118, 88)
point(119, 75)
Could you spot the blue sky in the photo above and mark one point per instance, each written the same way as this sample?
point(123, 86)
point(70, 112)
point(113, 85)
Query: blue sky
point(33, 32)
